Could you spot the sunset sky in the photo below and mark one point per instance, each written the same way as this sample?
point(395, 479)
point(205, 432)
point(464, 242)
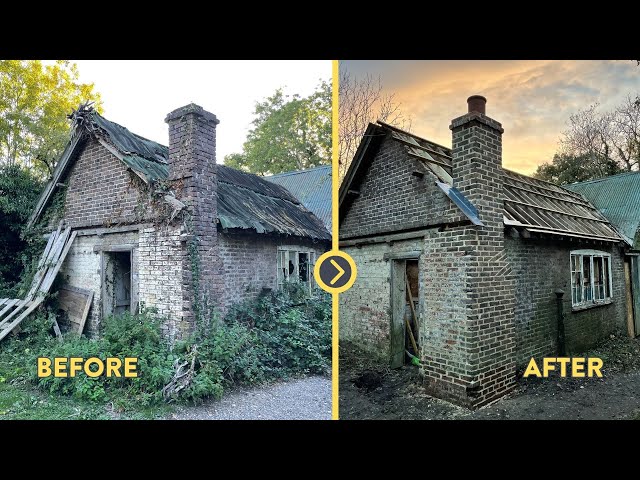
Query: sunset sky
point(532, 99)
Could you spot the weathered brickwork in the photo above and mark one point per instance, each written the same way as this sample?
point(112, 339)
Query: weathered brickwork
point(113, 209)
point(250, 263)
point(161, 254)
point(192, 165)
point(365, 309)
point(540, 267)
point(101, 191)
point(392, 199)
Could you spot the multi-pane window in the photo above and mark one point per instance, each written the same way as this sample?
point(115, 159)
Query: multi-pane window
point(590, 277)
point(295, 265)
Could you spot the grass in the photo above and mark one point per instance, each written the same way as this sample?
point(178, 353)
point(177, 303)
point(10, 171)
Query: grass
point(22, 402)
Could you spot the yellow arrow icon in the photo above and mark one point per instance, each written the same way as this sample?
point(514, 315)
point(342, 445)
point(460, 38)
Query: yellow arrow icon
point(340, 272)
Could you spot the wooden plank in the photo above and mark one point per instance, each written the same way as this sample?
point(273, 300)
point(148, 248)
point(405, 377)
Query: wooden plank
point(114, 248)
point(56, 329)
point(85, 313)
point(109, 230)
point(627, 285)
point(49, 262)
point(76, 302)
point(397, 314)
point(57, 173)
point(51, 275)
point(11, 303)
point(7, 328)
point(413, 312)
point(18, 307)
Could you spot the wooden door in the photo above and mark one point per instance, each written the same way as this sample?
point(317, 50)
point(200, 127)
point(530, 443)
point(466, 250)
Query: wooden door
point(398, 304)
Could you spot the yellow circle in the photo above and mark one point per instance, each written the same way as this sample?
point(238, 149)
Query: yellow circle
point(323, 258)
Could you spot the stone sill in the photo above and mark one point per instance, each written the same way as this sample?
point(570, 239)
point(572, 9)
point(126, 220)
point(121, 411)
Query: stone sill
point(580, 308)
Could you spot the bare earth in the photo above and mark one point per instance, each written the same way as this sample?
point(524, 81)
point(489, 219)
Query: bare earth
point(369, 391)
point(301, 399)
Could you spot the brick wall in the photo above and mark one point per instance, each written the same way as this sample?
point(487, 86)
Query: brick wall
point(542, 266)
point(160, 276)
point(101, 191)
point(392, 199)
point(250, 263)
point(365, 309)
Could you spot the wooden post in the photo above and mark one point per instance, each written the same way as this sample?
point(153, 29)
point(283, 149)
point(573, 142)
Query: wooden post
point(629, 299)
point(561, 340)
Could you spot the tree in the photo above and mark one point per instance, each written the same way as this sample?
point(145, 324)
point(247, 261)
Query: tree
point(566, 168)
point(34, 102)
point(361, 101)
point(288, 133)
point(19, 190)
point(605, 137)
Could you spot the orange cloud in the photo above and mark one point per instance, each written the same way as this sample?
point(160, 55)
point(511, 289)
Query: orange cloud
point(532, 99)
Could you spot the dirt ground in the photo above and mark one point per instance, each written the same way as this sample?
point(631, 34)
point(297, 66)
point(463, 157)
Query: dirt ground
point(372, 391)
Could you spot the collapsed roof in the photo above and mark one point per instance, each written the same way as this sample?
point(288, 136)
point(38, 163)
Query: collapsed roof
point(245, 201)
point(529, 204)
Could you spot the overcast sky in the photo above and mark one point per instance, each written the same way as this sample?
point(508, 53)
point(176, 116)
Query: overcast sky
point(532, 99)
point(139, 94)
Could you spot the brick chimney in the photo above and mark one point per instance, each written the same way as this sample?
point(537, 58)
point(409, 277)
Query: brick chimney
point(477, 172)
point(193, 171)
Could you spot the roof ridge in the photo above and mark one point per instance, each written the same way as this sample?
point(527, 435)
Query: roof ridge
point(602, 179)
point(296, 172)
point(384, 124)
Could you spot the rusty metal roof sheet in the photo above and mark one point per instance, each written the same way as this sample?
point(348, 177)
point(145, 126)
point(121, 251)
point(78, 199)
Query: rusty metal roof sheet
point(529, 203)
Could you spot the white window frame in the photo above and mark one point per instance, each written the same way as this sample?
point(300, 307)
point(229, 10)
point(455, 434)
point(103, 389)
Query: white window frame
point(284, 255)
point(590, 254)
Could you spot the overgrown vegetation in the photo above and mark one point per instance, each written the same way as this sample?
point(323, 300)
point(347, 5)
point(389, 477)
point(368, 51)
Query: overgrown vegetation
point(19, 190)
point(276, 336)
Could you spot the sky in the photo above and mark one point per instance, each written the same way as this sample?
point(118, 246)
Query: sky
point(532, 99)
point(139, 94)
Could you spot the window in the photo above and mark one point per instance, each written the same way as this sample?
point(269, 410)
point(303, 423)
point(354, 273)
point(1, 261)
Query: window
point(295, 264)
point(590, 277)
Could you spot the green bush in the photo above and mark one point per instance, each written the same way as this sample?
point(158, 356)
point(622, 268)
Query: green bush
point(272, 337)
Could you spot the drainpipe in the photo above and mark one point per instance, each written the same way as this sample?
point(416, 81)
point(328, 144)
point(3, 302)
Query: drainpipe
point(559, 294)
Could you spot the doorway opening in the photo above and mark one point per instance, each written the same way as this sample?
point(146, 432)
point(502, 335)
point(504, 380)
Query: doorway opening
point(405, 328)
point(116, 287)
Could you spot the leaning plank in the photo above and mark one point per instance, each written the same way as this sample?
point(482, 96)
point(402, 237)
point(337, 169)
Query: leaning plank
point(43, 290)
point(8, 306)
point(17, 308)
point(3, 301)
point(7, 328)
point(51, 259)
point(46, 283)
point(76, 302)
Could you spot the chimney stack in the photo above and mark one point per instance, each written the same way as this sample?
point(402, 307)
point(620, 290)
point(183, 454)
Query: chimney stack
point(476, 167)
point(193, 171)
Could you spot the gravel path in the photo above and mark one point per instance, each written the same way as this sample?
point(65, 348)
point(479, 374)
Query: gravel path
point(302, 399)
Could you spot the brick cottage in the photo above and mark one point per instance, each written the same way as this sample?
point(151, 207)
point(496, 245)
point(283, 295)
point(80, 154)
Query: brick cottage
point(157, 226)
point(486, 258)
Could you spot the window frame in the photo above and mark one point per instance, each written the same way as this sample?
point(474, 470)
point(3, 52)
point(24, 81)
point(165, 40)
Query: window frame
point(284, 256)
point(607, 286)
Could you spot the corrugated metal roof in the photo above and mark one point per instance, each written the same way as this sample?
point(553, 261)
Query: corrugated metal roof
point(245, 201)
point(312, 187)
point(529, 203)
point(618, 198)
